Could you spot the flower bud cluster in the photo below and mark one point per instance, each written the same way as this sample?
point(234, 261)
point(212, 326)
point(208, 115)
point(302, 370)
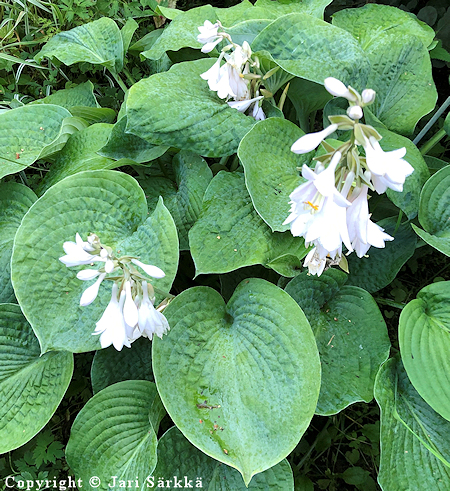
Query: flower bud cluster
point(130, 313)
point(331, 208)
point(239, 79)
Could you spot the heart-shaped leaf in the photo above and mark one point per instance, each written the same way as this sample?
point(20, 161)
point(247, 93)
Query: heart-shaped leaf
point(424, 337)
point(115, 435)
point(351, 336)
point(240, 380)
point(31, 386)
point(113, 206)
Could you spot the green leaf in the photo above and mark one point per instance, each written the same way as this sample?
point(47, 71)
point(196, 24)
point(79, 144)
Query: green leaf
point(99, 42)
point(351, 336)
point(381, 267)
point(127, 33)
point(424, 337)
point(247, 30)
point(279, 8)
point(135, 364)
point(177, 457)
point(31, 386)
point(15, 200)
point(250, 367)
point(182, 32)
point(79, 154)
point(108, 203)
point(26, 134)
point(415, 449)
point(94, 115)
point(371, 22)
point(122, 145)
point(401, 76)
point(229, 234)
point(115, 435)
point(434, 211)
point(202, 123)
point(183, 197)
point(81, 95)
point(310, 48)
point(271, 169)
point(408, 199)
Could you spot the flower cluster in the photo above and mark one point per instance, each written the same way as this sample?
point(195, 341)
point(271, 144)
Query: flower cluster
point(331, 208)
point(235, 80)
point(130, 313)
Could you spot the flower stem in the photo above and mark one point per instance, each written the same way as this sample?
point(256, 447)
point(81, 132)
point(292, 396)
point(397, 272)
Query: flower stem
point(390, 303)
point(399, 221)
point(430, 123)
point(119, 81)
point(433, 141)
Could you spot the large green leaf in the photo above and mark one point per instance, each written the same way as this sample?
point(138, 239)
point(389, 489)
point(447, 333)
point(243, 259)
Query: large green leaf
point(26, 133)
point(121, 145)
point(15, 199)
point(79, 154)
point(271, 169)
point(108, 203)
point(202, 122)
point(434, 211)
point(381, 266)
point(310, 48)
point(182, 32)
point(408, 199)
point(98, 42)
point(229, 234)
point(115, 435)
point(351, 336)
point(312, 7)
point(401, 76)
point(135, 364)
point(240, 380)
point(415, 440)
point(31, 386)
point(178, 457)
point(371, 22)
point(81, 95)
point(183, 197)
point(424, 337)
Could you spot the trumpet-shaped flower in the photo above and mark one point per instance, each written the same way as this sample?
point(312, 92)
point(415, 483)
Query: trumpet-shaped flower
point(111, 326)
point(130, 311)
point(151, 321)
point(310, 141)
point(318, 209)
point(90, 294)
point(209, 36)
point(77, 253)
point(388, 169)
point(362, 231)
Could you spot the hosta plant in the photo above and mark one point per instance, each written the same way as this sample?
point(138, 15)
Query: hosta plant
point(218, 243)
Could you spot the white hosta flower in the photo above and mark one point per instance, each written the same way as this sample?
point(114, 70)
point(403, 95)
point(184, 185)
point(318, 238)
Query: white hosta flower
point(310, 141)
point(209, 36)
point(258, 112)
point(151, 321)
point(363, 232)
point(355, 112)
point(314, 262)
point(242, 106)
point(111, 325)
point(388, 169)
point(152, 271)
point(130, 311)
point(76, 254)
point(318, 209)
point(226, 81)
point(337, 88)
point(90, 294)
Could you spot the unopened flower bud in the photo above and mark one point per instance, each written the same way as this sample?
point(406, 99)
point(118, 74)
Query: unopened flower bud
point(310, 141)
point(368, 96)
point(337, 88)
point(355, 112)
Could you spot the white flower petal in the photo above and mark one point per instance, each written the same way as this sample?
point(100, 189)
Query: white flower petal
point(337, 88)
point(310, 141)
point(152, 271)
point(130, 311)
point(87, 274)
point(90, 294)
